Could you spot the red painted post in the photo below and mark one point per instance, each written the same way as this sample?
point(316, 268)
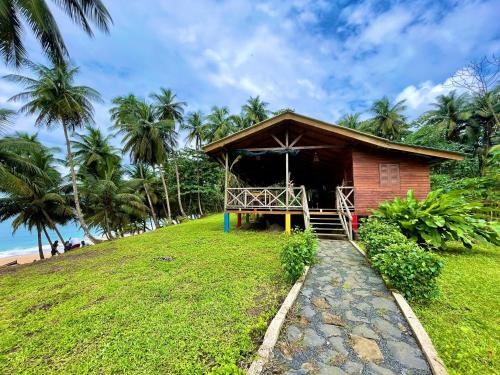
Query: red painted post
point(238, 223)
point(355, 224)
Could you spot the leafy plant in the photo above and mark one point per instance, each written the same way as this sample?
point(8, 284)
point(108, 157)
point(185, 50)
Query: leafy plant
point(377, 235)
point(297, 252)
point(439, 218)
point(410, 269)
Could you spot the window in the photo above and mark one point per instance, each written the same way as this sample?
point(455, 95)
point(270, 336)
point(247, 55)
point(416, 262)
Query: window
point(389, 175)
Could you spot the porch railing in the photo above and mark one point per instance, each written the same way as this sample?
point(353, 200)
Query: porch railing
point(305, 207)
point(265, 198)
point(344, 207)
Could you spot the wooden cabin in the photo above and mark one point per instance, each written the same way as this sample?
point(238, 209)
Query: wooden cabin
point(295, 165)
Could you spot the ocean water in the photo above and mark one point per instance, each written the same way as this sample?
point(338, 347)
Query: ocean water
point(23, 242)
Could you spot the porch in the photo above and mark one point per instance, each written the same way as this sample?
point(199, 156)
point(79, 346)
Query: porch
point(293, 201)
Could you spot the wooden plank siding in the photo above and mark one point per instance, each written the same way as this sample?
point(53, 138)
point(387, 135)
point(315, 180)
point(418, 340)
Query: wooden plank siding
point(369, 192)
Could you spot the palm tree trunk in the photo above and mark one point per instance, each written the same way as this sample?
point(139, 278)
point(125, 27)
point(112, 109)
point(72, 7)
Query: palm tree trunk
point(106, 224)
point(47, 236)
point(162, 176)
point(40, 248)
point(75, 188)
point(199, 203)
point(153, 213)
point(493, 113)
point(53, 226)
point(178, 188)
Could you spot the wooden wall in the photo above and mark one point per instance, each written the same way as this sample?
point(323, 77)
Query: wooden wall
point(413, 174)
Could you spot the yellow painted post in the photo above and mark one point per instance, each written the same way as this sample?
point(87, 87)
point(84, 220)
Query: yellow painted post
point(288, 223)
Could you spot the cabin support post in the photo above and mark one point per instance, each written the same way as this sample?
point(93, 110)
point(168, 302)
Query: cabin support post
point(238, 222)
point(226, 222)
point(247, 218)
point(226, 178)
point(287, 177)
point(288, 223)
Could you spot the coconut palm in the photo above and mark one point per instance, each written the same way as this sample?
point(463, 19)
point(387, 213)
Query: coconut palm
point(256, 110)
point(167, 107)
point(93, 151)
point(143, 182)
point(111, 200)
point(350, 121)
point(219, 123)
point(196, 129)
point(39, 204)
point(388, 120)
point(240, 122)
point(143, 140)
point(16, 15)
point(5, 119)
point(55, 100)
point(450, 114)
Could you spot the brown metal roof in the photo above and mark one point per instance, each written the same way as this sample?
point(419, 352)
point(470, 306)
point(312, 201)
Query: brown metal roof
point(225, 143)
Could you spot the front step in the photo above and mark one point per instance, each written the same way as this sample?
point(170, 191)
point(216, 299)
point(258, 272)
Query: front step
point(327, 226)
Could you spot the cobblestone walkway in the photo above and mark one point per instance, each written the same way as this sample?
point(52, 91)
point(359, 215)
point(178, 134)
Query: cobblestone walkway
point(345, 321)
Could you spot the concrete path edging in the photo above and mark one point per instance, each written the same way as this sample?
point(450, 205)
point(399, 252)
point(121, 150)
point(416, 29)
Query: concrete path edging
point(424, 341)
point(273, 331)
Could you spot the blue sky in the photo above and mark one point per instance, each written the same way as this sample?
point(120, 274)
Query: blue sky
point(322, 58)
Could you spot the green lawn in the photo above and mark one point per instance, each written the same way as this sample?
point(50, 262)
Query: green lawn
point(464, 323)
point(116, 308)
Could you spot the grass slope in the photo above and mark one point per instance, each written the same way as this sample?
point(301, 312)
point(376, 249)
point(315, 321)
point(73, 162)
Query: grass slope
point(464, 324)
point(115, 308)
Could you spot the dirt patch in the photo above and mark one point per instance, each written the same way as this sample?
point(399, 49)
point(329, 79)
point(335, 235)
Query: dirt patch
point(38, 307)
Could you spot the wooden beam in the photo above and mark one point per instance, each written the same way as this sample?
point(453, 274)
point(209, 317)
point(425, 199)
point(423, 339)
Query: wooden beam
point(296, 140)
point(277, 140)
point(287, 148)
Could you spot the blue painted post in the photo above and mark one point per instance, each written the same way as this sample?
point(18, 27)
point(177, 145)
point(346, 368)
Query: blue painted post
point(226, 222)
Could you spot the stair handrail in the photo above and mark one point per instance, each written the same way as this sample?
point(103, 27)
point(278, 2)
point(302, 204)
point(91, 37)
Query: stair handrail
point(344, 212)
point(305, 208)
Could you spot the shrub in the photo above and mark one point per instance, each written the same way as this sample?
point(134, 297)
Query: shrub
point(377, 234)
point(437, 219)
point(297, 252)
point(410, 269)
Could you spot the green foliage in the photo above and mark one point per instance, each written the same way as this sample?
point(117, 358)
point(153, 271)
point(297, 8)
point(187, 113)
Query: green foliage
point(439, 218)
point(463, 323)
point(410, 269)
point(297, 252)
point(377, 234)
point(118, 308)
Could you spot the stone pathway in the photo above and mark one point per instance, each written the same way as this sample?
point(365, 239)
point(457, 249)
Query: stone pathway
point(345, 321)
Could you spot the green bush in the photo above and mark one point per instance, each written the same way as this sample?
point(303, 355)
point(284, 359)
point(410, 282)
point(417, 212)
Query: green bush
point(437, 219)
point(297, 252)
point(377, 234)
point(410, 269)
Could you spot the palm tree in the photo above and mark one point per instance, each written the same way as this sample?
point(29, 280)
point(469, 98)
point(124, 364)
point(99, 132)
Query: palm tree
point(196, 129)
point(450, 114)
point(15, 15)
point(94, 152)
point(219, 123)
point(111, 199)
point(55, 100)
point(168, 109)
point(256, 110)
point(5, 119)
point(39, 204)
point(388, 120)
point(350, 121)
point(240, 122)
point(142, 137)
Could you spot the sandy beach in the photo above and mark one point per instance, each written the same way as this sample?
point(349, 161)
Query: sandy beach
point(22, 259)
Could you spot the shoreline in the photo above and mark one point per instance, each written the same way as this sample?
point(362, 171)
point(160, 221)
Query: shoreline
point(22, 259)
